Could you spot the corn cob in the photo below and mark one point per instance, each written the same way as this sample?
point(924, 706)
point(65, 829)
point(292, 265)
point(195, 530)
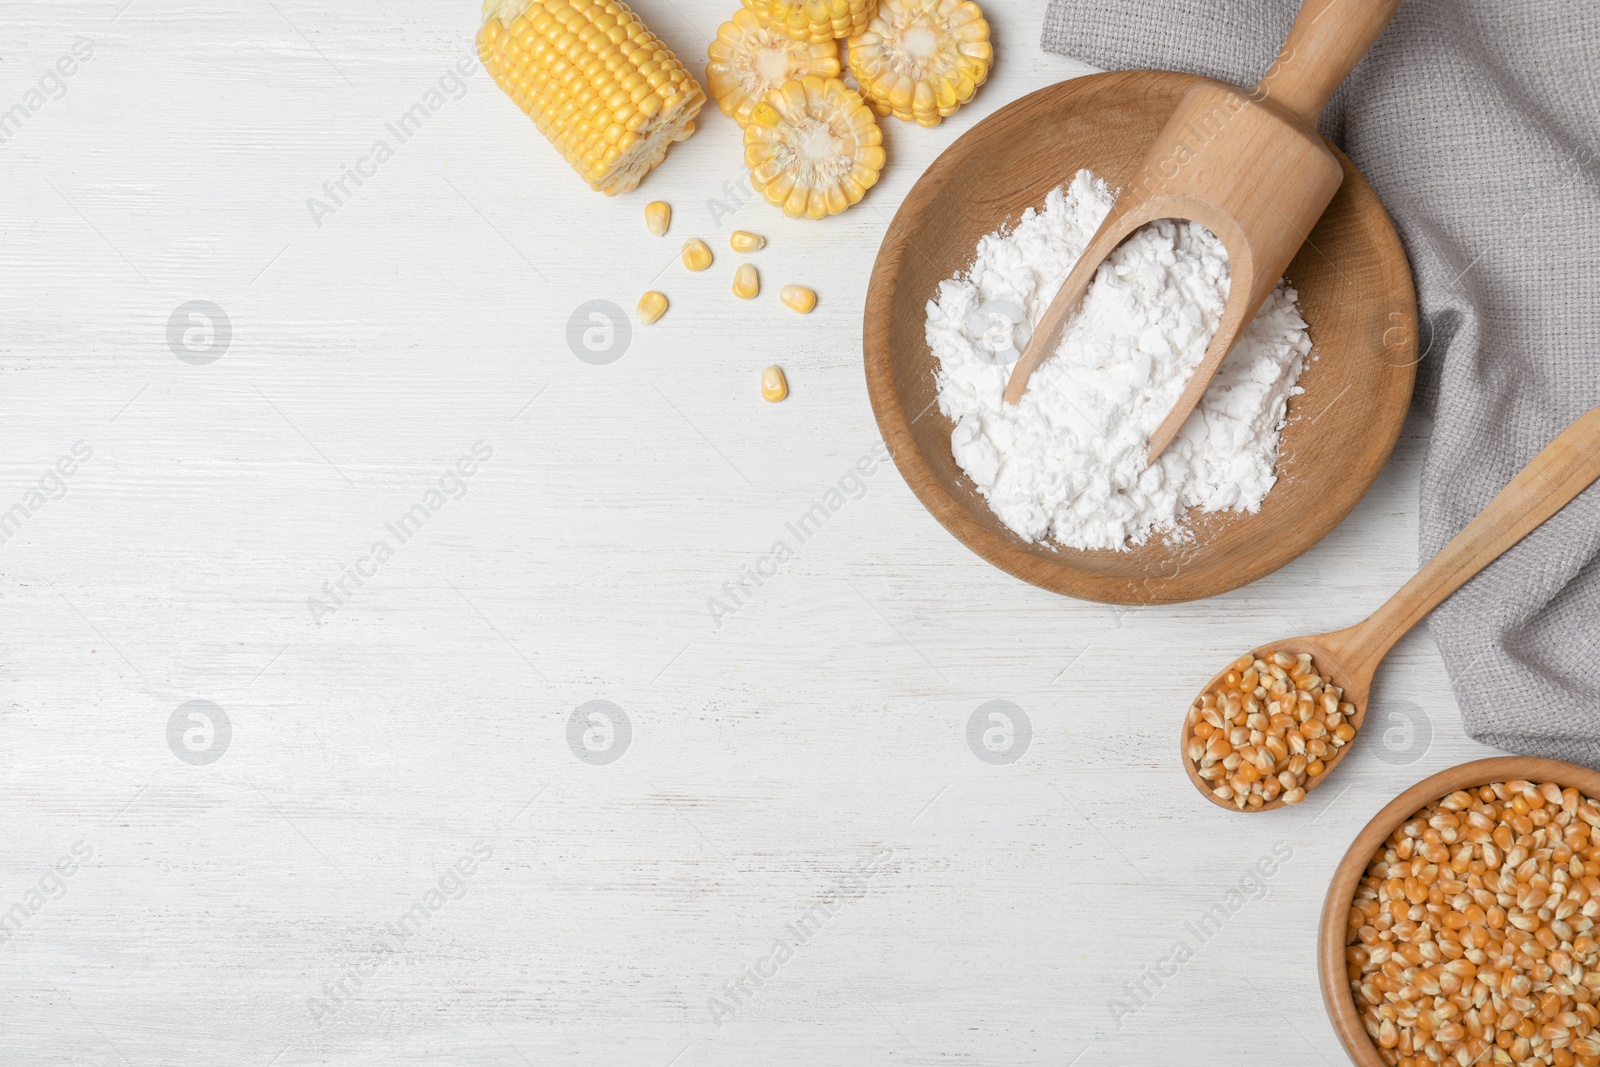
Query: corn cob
point(813, 147)
point(814, 20)
point(750, 58)
point(606, 92)
point(919, 60)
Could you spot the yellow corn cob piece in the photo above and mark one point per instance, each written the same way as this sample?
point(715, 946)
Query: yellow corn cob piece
point(813, 147)
point(746, 282)
point(745, 241)
point(605, 91)
point(750, 58)
point(652, 306)
point(658, 216)
point(920, 60)
point(814, 20)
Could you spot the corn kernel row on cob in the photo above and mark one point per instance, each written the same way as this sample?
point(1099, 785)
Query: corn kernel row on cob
point(750, 58)
point(919, 60)
point(814, 20)
point(813, 147)
point(606, 92)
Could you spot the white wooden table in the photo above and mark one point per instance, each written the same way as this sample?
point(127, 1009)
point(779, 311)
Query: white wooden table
point(375, 844)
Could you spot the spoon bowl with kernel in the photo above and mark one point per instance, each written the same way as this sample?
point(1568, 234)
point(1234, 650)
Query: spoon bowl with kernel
point(1274, 724)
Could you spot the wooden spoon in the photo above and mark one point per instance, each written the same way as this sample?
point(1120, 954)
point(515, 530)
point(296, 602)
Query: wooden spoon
point(1249, 166)
point(1566, 467)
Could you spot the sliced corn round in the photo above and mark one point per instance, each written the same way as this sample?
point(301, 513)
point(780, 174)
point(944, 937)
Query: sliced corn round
point(696, 254)
point(750, 58)
point(652, 306)
point(658, 216)
point(774, 386)
point(798, 298)
point(606, 92)
point(814, 20)
point(919, 61)
point(813, 147)
point(746, 282)
point(745, 241)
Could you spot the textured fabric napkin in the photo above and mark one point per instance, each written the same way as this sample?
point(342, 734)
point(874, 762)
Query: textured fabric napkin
point(1478, 123)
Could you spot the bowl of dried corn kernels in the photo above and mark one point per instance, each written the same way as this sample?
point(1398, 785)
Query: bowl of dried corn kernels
point(1460, 927)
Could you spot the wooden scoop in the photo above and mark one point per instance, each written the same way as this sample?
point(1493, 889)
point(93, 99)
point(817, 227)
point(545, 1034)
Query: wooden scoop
point(1249, 166)
point(1566, 467)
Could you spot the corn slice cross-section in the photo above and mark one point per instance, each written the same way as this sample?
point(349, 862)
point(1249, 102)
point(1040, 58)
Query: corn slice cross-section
point(920, 60)
point(609, 95)
point(814, 20)
point(813, 147)
point(750, 58)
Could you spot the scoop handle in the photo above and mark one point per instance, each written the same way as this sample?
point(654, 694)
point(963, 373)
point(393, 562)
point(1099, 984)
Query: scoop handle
point(1567, 466)
point(1328, 40)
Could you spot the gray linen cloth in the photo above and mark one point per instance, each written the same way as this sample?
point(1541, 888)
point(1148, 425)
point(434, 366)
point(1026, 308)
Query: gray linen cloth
point(1477, 122)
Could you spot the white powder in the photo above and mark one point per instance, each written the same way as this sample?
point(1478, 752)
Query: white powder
point(1069, 462)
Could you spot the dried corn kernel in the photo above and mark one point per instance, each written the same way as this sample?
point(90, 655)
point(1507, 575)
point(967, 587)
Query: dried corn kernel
point(813, 148)
point(1267, 725)
point(798, 297)
point(746, 282)
point(696, 254)
point(652, 306)
point(606, 92)
point(774, 386)
point(920, 60)
point(1455, 954)
point(814, 20)
point(658, 216)
point(745, 241)
point(750, 58)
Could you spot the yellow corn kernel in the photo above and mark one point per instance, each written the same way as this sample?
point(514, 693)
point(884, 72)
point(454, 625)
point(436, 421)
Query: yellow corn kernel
point(609, 95)
point(696, 254)
point(774, 386)
point(798, 297)
point(814, 20)
point(652, 306)
point(658, 216)
point(920, 60)
point(745, 241)
point(750, 58)
point(813, 147)
point(746, 282)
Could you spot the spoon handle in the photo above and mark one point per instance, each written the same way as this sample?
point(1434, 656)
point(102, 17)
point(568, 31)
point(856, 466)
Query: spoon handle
point(1328, 40)
point(1566, 467)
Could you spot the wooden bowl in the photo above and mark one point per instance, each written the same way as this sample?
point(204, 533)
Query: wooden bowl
point(1336, 906)
point(1355, 292)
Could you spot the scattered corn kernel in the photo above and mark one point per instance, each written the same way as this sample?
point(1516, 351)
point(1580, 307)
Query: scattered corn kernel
point(813, 147)
point(774, 386)
point(696, 254)
point(750, 58)
point(658, 216)
point(607, 92)
point(814, 20)
point(652, 306)
point(1470, 938)
point(1264, 732)
point(746, 282)
point(745, 241)
point(919, 60)
point(798, 297)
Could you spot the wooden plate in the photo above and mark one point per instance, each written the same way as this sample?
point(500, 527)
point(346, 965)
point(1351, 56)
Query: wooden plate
point(1356, 293)
point(1336, 907)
